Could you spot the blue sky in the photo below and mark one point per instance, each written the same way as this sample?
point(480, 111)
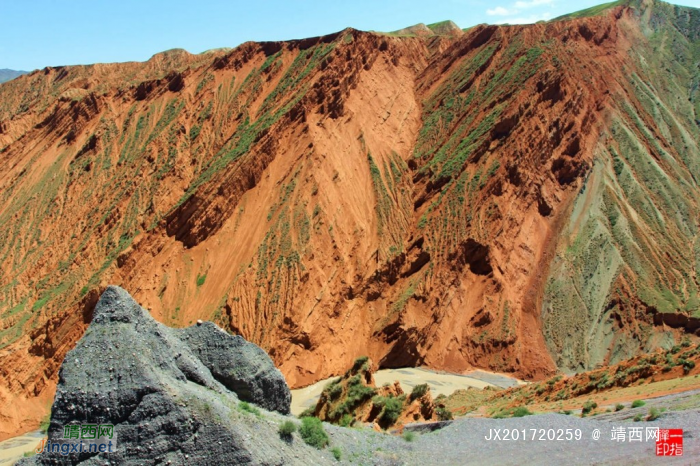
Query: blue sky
point(39, 33)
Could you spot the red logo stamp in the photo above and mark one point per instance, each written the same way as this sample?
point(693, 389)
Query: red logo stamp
point(670, 442)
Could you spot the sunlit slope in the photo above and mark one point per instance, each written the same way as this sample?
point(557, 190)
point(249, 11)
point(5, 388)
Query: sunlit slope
point(515, 198)
point(630, 250)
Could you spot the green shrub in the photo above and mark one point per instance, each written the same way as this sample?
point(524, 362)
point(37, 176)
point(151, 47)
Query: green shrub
point(359, 393)
point(638, 417)
point(409, 436)
point(342, 409)
point(391, 408)
point(619, 407)
point(359, 362)
point(335, 390)
point(308, 412)
point(554, 380)
point(653, 414)
point(444, 414)
point(638, 403)
point(313, 433)
point(347, 420)
point(355, 380)
point(688, 366)
point(194, 132)
point(337, 453)
point(248, 408)
point(588, 406)
point(604, 382)
point(419, 390)
point(286, 429)
point(521, 411)
point(201, 279)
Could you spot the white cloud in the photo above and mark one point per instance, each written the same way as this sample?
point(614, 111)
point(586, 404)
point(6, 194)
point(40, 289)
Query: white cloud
point(523, 5)
point(526, 19)
point(518, 16)
point(500, 11)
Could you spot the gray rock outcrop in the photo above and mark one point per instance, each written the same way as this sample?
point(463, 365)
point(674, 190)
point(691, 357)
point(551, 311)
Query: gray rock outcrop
point(239, 365)
point(171, 394)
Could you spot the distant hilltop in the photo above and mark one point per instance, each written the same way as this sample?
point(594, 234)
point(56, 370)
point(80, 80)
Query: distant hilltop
point(7, 75)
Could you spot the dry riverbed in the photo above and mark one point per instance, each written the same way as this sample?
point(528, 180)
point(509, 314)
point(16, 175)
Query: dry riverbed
point(13, 449)
point(441, 383)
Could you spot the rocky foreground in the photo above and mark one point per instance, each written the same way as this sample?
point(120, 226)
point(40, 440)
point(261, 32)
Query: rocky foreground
point(179, 396)
point(172, 394)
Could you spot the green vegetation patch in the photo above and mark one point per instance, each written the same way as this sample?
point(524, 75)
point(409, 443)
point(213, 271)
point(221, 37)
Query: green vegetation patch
point(313, 433)
point(391, 408)
point(419, 391)
point(520, 411)
point(593, 11)
point(286, 429)
point(248, 408)
point(337, 453)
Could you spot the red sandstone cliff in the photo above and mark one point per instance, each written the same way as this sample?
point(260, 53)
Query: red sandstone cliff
point(400, 197)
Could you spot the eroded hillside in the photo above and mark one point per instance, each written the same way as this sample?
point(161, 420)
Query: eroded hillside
point(627, 259)
point(488, 198)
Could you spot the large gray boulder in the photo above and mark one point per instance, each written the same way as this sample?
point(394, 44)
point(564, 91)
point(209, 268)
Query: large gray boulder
point(172, 395)
point(241, 366)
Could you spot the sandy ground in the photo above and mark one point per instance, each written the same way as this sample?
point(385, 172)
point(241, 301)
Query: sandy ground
point(13, 449)
point(441, 383)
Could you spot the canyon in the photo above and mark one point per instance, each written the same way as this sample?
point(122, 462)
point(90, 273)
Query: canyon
point(522, 199)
